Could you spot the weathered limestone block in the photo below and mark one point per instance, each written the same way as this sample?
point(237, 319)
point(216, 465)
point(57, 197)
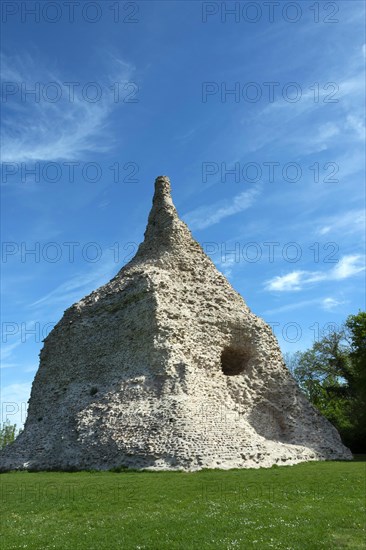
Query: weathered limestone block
point(165, 367)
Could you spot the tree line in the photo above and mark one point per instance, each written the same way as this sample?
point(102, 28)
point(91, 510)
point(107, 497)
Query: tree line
point(332, 374)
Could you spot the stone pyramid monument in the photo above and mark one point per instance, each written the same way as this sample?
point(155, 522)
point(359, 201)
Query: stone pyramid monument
point(166, 367)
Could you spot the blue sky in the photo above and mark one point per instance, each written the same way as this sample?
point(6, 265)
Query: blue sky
point(258, 121)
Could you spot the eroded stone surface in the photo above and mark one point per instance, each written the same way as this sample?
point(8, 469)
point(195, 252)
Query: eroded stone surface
point(165, 367)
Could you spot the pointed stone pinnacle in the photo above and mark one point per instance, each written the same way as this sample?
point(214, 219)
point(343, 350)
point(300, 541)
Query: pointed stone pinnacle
point(162, 182)
point(165, 230)
point(162, 195)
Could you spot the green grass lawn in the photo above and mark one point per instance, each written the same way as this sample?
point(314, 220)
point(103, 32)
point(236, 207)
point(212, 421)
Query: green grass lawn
point(308, 506)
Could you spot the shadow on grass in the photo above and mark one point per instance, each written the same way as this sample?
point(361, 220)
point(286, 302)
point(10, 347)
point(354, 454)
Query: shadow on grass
point(358, 458)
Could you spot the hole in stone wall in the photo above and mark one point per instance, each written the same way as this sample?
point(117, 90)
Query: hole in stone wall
point(234, 361)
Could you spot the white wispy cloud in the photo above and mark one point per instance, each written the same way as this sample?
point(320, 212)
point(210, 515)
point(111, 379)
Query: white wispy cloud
point(81, 284)
point(352, 221)
point(356, 123)
point(203, 217)
point(327, 304)
point(7, 352)
point(330, 304)
point(345, 86)
point(291, 281)
point(319, 97)
point(324, 135)
point(42, 130)
point(347, 266)
point(291, 307)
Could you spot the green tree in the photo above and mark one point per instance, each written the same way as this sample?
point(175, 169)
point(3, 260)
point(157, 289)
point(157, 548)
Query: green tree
point(356, 335)
point(7, 434)
point(332, 374)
